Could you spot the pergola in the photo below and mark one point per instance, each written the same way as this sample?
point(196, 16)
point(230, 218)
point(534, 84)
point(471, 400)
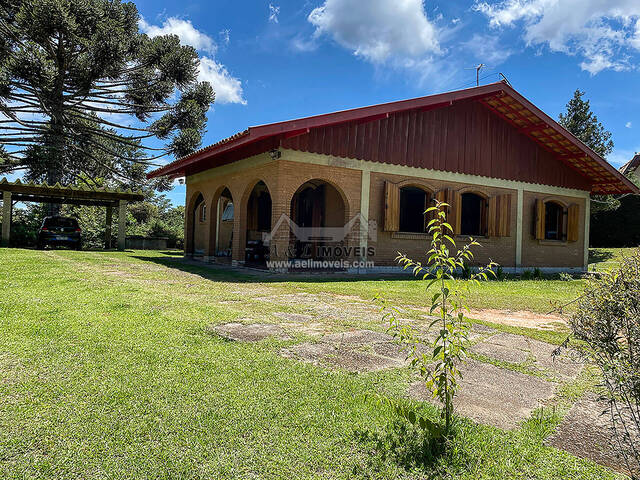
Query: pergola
point(28, 192)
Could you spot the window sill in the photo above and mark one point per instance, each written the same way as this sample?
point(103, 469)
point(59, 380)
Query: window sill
point(410, 236)
point(557, 243)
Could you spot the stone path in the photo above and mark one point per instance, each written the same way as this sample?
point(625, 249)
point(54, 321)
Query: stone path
point(586, 433)
point(495, 396)
point(492, 391)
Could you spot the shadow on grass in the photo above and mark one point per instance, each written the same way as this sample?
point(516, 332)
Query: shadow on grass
point(215, 272)
point(598, 256)
point(413, 450)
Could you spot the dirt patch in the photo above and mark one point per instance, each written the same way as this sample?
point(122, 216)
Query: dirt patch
point(518, 349)
point(520, 318)
point(494, 396)
point(254, 332)
point(586, 433)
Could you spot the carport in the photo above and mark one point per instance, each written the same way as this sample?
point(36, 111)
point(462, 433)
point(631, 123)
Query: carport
point(17, 191)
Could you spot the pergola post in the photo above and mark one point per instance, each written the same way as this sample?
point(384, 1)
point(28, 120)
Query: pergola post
point(122, 224)
point(6, 218)
point(107, 231)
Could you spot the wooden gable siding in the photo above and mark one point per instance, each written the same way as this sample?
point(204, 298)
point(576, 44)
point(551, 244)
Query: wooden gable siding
point(465, 138)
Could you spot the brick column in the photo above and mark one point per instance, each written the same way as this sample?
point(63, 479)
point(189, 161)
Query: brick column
point(280, 212)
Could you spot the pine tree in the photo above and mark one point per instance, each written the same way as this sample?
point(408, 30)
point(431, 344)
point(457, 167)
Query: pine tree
point(584, 124)
point(85, 95)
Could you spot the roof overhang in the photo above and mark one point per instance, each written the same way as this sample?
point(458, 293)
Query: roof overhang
point(499, 97)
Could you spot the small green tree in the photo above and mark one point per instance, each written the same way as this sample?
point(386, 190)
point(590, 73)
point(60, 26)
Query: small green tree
point(440, 367)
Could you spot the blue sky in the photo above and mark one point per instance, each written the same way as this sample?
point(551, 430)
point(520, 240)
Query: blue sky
point(272, 61)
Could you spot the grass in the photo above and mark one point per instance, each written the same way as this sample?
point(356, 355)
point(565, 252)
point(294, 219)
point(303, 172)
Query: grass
point(108, 370)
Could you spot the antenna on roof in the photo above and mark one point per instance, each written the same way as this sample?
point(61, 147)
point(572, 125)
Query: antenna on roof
point(477, 68)
point(504, 77)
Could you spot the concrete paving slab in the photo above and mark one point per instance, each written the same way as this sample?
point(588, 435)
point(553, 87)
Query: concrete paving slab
point(254, 332)
point(493, 395)
point(512, 348)
point(585, 432)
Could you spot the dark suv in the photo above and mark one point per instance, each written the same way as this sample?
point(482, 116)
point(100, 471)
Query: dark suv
point(60, 231)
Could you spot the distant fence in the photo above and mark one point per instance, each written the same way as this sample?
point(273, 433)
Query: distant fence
point(138, 242)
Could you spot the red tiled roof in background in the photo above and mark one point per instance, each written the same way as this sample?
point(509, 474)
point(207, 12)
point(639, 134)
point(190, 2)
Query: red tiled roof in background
point(500, 98)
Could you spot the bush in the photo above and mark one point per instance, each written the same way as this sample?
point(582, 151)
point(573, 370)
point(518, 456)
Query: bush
point(607, 320)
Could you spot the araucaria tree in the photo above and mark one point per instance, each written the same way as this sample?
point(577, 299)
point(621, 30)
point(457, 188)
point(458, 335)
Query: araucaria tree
point(584, 124)
point(85, 95)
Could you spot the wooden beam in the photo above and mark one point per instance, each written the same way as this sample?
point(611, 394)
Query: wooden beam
point(6, 218)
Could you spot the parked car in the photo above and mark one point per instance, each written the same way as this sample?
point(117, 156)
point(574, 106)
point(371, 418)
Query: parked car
point(60, 231)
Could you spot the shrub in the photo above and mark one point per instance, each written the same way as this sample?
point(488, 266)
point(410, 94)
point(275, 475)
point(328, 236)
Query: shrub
point(527, 275)
point(537, 274)
point(565, 277)
point(607, 320)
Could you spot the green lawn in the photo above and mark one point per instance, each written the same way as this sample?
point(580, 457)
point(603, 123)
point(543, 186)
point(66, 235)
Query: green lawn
point(109, 371)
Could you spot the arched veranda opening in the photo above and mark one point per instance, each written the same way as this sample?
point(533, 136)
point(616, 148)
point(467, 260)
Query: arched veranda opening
point(222, 226)
point(318, 211)
point(258, 226)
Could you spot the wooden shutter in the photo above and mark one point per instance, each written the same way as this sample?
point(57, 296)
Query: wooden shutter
point(500, 216)
point(391, 207)
point(573, 221)
point(539, 226)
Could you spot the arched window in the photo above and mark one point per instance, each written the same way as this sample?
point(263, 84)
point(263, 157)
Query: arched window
point(554, 225)
point(203, 212)
point(473, 217)
point(413, 203)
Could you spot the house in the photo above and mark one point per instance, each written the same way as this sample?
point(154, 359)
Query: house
point(361, 179)
point(632, 167)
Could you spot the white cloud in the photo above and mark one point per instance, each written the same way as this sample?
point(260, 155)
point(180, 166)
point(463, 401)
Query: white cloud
point(184, 29)
point(225, 36)
point(488, 48)
point(228, 89)
point(627, 125)
point(378, 30)
point(605, 33)
point(274, 11)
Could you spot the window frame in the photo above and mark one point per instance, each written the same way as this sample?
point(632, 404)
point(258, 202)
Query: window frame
point(561, 232)
point(484, 214)
point(428, 196)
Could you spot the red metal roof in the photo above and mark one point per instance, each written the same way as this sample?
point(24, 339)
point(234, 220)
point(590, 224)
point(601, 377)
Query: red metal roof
point(499, 97)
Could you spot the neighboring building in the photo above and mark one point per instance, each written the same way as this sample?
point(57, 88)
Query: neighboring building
point(515, 179)
point(632, 167)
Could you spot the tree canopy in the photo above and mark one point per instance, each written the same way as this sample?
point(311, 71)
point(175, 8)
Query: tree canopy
point(584, 124)
point(85, 95)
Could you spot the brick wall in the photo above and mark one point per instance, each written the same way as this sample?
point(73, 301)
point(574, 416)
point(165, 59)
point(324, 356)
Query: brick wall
point(501, 250)
point(284, 177)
